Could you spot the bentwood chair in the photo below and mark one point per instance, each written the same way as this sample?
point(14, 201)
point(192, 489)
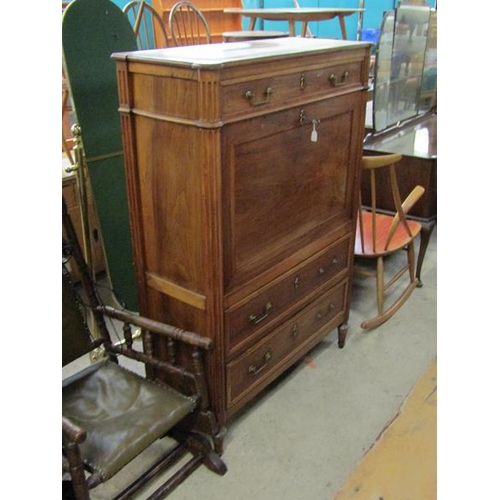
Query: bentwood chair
point(111, 414)
point(380, 235)
point(188, 25)
point(149, 27)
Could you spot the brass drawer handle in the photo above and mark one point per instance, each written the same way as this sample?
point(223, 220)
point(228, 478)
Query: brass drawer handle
point(295, 331)
point(255, 371)
point(303, 82)
point(255, 320)
point(331, 307)
point(251, 97)
point(296, 282)
point(343, 80)
point(334, 261)
point(321, 271)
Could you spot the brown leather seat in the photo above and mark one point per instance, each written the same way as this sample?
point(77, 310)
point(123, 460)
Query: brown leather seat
point(111, 414)
point(121, 412)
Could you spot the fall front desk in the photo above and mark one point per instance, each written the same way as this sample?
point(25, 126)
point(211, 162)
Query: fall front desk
point(243, 169)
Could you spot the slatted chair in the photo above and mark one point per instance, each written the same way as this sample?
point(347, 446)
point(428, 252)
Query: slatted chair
point(149, 27)
point(379, 235)
point(110, 413)
point(188, 25)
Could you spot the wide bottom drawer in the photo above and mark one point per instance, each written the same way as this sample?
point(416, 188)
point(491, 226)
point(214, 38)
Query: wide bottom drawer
point(260, 364)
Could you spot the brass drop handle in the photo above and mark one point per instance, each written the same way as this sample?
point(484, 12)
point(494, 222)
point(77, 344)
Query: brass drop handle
point(321, 271)
point(250, 96)
point(302, 117)
point(255, 320)
point(296, 283)
point(295, 331)
point(343, 80)
point(303, 82)
point(331, 307)
point(254, 370)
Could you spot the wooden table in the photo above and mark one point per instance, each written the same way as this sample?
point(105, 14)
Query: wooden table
point(293, 14)
point(248, 35)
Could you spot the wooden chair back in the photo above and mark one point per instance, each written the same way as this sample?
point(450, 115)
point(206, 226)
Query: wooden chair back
point(149, 27)
point(374, 238)
point(188, 25)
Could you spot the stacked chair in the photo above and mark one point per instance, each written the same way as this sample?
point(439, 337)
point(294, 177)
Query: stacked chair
point(188, 25)
point(149, 28)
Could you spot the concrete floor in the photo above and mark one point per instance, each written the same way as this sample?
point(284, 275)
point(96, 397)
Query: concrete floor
point(301, 439)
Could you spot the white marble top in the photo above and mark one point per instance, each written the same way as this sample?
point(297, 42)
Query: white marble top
point(217, 54)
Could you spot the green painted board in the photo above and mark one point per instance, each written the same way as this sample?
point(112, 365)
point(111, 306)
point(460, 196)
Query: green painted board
point(91, 31)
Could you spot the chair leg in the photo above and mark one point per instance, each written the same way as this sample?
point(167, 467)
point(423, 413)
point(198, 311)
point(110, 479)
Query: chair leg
point(202, 452)
point(166, 461)
point(199, 444)
point(77, 471)
point(342, 334)
point(205, 423)
point(219, 441)
point(411, 261)
point(166, 488)
point(384, 315)
point(380, 285)
point(211, 459)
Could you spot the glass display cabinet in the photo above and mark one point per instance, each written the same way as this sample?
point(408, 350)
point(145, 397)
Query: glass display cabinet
point(404, 116)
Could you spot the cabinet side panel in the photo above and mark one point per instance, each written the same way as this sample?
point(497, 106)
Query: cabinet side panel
point(179, 189)
point(172, 202)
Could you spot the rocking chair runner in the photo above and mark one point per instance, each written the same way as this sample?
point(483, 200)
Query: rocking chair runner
point(379, 235)
point(111, 414)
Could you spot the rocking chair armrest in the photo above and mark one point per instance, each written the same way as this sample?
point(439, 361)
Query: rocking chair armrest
point(412, 198)
point(406, 206)
point(175, 333)
point(72, 431)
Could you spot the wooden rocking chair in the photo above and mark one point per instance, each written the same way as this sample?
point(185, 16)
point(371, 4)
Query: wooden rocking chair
point(379, 235)
point(111, 414)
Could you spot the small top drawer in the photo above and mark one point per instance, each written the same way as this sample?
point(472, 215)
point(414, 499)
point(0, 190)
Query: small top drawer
point(273, 301)
point(278, 90)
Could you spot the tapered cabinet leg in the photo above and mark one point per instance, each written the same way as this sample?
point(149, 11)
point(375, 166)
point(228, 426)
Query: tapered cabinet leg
point(342, 334)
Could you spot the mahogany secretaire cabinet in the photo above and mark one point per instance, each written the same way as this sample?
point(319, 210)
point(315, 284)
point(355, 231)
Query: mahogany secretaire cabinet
point(243, 171)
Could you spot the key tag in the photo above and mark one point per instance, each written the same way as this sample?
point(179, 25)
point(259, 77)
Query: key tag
point(314, 133)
